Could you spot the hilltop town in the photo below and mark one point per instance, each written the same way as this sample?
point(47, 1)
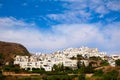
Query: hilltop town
point(82, 63)
point(67, 57)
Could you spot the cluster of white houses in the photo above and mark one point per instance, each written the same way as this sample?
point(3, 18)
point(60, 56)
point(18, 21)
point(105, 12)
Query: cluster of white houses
point(47, 61)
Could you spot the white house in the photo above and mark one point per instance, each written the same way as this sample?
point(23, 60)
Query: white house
point(47, 61)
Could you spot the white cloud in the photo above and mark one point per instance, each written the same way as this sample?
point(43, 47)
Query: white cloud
point(62, 36)
point(114, 5)
point(101, 10)
point(113, 34)
point(75, 12)
point(103, 5)
point(76, 5)
point(71, 16)
point(11, 22)
point(81, 11)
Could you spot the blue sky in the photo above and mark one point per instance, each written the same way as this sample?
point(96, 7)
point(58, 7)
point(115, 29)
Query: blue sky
point(51, 25)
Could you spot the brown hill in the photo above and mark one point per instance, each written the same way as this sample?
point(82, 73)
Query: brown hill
point(9, 50)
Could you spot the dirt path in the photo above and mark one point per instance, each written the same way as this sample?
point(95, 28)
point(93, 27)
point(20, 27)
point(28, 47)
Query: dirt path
point(19, 74)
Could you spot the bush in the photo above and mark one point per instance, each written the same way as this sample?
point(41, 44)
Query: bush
point(1, 76)
point(98, 73)
point(38, 71)
point(7, 68)
point(29, 78)
point(104, 63)
point(60, 77)
point(94, 58)
point(112, 75)
point(81, 77)
point(14, 68)
point(56, 73)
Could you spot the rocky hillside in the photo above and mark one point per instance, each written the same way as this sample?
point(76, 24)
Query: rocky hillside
point(9, 50)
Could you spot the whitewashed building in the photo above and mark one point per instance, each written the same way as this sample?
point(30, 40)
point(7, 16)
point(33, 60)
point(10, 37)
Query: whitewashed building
point(47, 61)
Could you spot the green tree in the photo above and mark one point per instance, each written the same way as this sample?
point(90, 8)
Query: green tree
point(79, 57)
point(117, 62)
point(89, 68)
point(73, 58)
point(1, 60)
point(55, 67)
point(82, 68)
point(59, 67)
point(1, 56)
point(62, 67)
point(78, 64)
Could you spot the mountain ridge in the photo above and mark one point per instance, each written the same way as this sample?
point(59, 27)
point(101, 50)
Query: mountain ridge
point(8, 50)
